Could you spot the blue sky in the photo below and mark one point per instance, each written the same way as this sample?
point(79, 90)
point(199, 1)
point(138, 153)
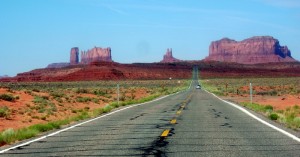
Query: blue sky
point(35, 33)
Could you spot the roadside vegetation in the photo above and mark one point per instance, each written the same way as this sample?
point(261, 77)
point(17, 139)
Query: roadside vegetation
point(264, 87)
point(290, 116)
point(261, 86)
point(72, 102)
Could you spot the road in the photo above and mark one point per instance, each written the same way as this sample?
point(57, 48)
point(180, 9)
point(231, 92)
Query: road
point(190, 123)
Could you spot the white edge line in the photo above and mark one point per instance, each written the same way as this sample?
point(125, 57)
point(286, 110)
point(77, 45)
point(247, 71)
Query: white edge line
point(71, 127)
point(258, 119)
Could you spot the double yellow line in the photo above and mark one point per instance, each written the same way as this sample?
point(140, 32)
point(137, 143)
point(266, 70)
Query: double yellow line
point(166, 132)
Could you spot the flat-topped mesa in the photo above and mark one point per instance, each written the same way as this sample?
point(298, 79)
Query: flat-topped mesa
point(259, 49)
point(74, 56)
point(168, 57)
point(97, 54)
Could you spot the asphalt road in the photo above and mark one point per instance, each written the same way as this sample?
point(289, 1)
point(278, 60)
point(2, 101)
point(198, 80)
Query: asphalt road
point(202, 126)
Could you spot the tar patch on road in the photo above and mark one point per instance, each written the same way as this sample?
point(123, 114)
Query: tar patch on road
point(137, 116)
point(158, 147)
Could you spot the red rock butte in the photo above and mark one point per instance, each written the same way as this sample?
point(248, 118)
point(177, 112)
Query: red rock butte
point(168, 57)
point(259, 49)
point(97, 54)
point(74, 56)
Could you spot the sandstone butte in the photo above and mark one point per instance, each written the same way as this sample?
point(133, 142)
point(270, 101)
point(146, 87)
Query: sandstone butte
point(168, 57)
point(259, 49)
point(96, 54)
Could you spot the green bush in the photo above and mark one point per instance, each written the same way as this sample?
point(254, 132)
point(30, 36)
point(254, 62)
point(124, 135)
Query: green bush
point(7, 97)
point(269, 108)
point(273, 116)
point(5, 112)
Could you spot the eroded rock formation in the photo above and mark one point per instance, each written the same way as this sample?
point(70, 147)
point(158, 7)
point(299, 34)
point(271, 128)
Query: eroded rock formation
point(260, 49)
point(74, 56)
point(168, 57)
point(96, 54)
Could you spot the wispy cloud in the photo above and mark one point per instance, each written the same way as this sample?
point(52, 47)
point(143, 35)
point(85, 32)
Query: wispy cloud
point(118, 11)
point(283, 3)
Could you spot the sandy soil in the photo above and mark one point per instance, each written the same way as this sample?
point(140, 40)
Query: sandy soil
point(278, 102)
point(24, 114)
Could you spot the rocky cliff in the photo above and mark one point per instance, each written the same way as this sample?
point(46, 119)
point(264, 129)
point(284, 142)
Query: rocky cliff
point(168, 57)
point(260, 49)
point(95, 55)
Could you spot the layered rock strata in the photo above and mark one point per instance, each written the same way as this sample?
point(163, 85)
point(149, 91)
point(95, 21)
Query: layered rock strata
point(260, 49)
point(97, 54)
point(74, 56)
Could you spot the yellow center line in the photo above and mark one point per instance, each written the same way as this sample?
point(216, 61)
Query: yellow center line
point(165, 133)
point(173, 121)
point(178, 112)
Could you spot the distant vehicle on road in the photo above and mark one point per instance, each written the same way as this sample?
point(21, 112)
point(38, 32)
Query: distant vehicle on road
point(198, 87)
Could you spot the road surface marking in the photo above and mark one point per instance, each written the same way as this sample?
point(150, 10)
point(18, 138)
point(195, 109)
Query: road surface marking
point(258, 119)
point(79, 124)
point(173, 121)
point(178, 112)
point(165, 133)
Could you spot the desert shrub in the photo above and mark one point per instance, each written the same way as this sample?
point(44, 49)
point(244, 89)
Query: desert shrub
point(7, 97)
point(36, 90)
point(99, 92)
point(273, 116)
point(273, 93)
point(107, 108)
point(57, 95)
point(58, 99)
point(95, 100)
point(81, 90)
point(38, 99)
point(269, 108)
point(5, 112)
point(83, 99)
point(8, 135)
point(262, 93)
point(83, 115)
point(97, 112)
point(86, 108)
point(28, 92)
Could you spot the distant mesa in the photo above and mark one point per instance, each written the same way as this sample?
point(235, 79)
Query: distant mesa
point(58, 65)
point(96, 54)
point(259, 49)
point(168, 57)
point(4, 76)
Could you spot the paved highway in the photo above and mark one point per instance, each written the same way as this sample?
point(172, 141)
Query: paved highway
point(190, 123)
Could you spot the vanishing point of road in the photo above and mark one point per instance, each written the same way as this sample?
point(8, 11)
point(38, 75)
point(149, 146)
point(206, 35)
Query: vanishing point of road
point(189, 123)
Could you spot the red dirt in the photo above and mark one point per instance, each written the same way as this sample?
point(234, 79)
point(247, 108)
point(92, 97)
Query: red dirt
point(278, 102)
point(21, 117)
